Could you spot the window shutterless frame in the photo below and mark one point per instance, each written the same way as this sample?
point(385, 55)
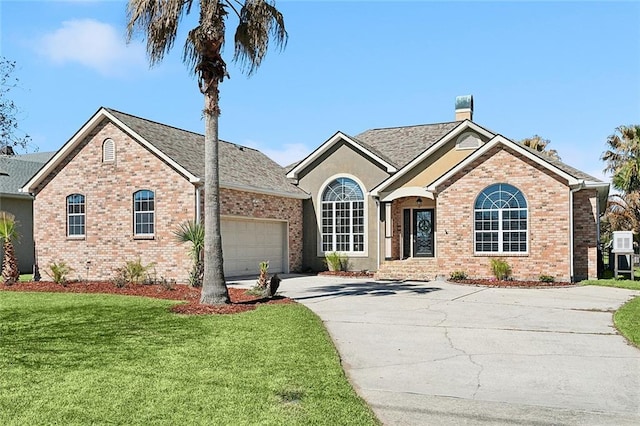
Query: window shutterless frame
point(75, 205)
point(144, 213)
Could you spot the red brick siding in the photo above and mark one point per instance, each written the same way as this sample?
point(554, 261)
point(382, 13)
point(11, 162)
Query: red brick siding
point(585, 234)
point(548, 203)
point(108, 191)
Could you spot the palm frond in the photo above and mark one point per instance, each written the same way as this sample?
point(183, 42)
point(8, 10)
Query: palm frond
point(260, 22)
point(8, 227)
point(158, 20)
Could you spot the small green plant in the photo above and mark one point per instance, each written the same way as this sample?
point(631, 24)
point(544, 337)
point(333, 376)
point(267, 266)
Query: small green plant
point(547, 278)
point(193, 232)
point(500, 268)
point(133, 272)
point(263, 279)
point(58, 272)
point(136, 271)
point(458, 275)
point(336, 261)
point(167, 284)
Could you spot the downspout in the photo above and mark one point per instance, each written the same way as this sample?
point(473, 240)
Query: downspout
point(198, 207)
point(571, 265)
point(378, 205)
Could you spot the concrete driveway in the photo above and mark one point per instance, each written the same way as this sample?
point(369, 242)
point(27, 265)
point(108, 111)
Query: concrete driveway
point(437, 353)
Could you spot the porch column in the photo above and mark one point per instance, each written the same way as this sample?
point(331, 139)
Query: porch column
point(388, 231)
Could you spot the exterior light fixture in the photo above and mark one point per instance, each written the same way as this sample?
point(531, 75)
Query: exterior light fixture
point(419, 201)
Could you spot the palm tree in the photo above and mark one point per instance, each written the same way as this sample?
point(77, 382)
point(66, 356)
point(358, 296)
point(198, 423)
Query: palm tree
point(623, 158)
point(623, 212)
point(9, 233)
point(193, 232)
point(539, 144)
point(258, 23)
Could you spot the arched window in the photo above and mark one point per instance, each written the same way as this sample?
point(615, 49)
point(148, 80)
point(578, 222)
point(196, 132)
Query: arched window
point(501, 220)
point(108, 151)
point(143, 212)
point(75, 215)
point(343, 226)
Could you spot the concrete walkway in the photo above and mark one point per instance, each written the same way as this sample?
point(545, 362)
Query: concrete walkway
point(436, 353)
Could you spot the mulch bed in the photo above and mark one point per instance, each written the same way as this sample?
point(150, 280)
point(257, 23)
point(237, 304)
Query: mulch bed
point(240, 300)
point(512, 284)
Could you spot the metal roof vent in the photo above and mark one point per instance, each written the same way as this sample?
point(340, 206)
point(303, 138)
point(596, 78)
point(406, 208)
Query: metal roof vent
point(464, 108)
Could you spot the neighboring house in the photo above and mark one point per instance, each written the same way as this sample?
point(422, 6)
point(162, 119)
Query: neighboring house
point(15, 170)
point(424, 201)
point(120, 187)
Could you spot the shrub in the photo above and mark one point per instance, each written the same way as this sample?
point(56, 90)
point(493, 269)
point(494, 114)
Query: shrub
point(133, 272)
point(336, 261)
point(59, 271)
point(547, 278)
point(263, 279)
point(458, 275)
point(500, 268)
point(167, 284)
point(193, 232)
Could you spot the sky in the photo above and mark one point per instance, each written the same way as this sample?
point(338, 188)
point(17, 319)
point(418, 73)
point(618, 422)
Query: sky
point(567, 71)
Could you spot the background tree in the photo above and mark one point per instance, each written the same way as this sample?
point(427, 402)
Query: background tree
point(9, 130)
point(539, 144)
point(259, 22)
point(9, 234)
point(623, 158)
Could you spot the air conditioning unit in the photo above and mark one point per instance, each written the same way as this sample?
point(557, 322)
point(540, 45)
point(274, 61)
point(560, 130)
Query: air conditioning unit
point(622, 242)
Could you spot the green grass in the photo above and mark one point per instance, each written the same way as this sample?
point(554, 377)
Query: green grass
point(632, 285)
point(627, 320)
point(95, 359)
point(26, 277)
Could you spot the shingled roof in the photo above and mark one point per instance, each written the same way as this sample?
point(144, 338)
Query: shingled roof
point(402, 144)
point(16, 170)
point(239, 165)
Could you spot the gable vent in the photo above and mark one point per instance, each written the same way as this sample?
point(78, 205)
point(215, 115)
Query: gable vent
point(108, 151)
point(468, 141)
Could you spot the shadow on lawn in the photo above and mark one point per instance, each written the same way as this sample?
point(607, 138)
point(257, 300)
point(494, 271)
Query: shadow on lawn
point(369, 288)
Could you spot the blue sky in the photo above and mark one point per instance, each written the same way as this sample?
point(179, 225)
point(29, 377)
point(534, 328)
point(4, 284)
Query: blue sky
point(568, 71)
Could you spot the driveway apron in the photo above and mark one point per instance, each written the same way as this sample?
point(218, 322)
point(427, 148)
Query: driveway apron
point(434, 353)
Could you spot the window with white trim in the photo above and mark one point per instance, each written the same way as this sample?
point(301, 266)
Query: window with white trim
point(75, 215)
point(108, 151)
point(342, 215)
point(143, 212)
point(501, 220)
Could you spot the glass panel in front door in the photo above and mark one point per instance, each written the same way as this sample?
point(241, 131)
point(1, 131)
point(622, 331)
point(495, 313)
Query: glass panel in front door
point(423, 233)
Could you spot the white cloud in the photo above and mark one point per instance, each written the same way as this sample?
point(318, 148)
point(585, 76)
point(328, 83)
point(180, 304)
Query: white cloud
point(93, 44)
point(287, 154)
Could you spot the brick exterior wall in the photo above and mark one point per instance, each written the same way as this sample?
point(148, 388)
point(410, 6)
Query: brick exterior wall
point(585, 234)
point(108, 189)
point(262, 206)
point(548, 204)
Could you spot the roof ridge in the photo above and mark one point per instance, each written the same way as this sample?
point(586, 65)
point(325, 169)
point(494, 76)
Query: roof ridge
point(414, 125)
point(174, 127)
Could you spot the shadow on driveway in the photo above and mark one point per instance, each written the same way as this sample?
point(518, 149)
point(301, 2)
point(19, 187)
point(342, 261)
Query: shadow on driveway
point(367, 288)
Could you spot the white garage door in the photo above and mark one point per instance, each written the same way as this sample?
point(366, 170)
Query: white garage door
point(246, 243)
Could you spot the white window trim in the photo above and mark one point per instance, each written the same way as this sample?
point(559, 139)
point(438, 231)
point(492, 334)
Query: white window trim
point(322, 253)
point(501, 231)
point(155, 204)
point(66, 205)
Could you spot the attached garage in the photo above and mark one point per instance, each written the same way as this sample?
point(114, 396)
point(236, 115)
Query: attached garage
point(247, 242)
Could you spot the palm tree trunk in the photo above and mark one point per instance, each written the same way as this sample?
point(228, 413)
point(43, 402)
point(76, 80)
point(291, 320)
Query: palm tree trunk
point(214, 287)
point(10, 272)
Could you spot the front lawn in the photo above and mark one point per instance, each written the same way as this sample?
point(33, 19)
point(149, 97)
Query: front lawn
point(628, 284)
point(97, 359)
point(627, 320)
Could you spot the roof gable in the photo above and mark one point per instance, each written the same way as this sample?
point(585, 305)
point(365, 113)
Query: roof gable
point(184, 151)
point(361, 147)
point(431, 148)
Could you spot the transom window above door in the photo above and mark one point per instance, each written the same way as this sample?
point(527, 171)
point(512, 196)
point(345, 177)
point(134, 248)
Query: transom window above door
point(343, 218)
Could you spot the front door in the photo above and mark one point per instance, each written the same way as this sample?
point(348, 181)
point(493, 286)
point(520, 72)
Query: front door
point(423, 233)
point(418, 233)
